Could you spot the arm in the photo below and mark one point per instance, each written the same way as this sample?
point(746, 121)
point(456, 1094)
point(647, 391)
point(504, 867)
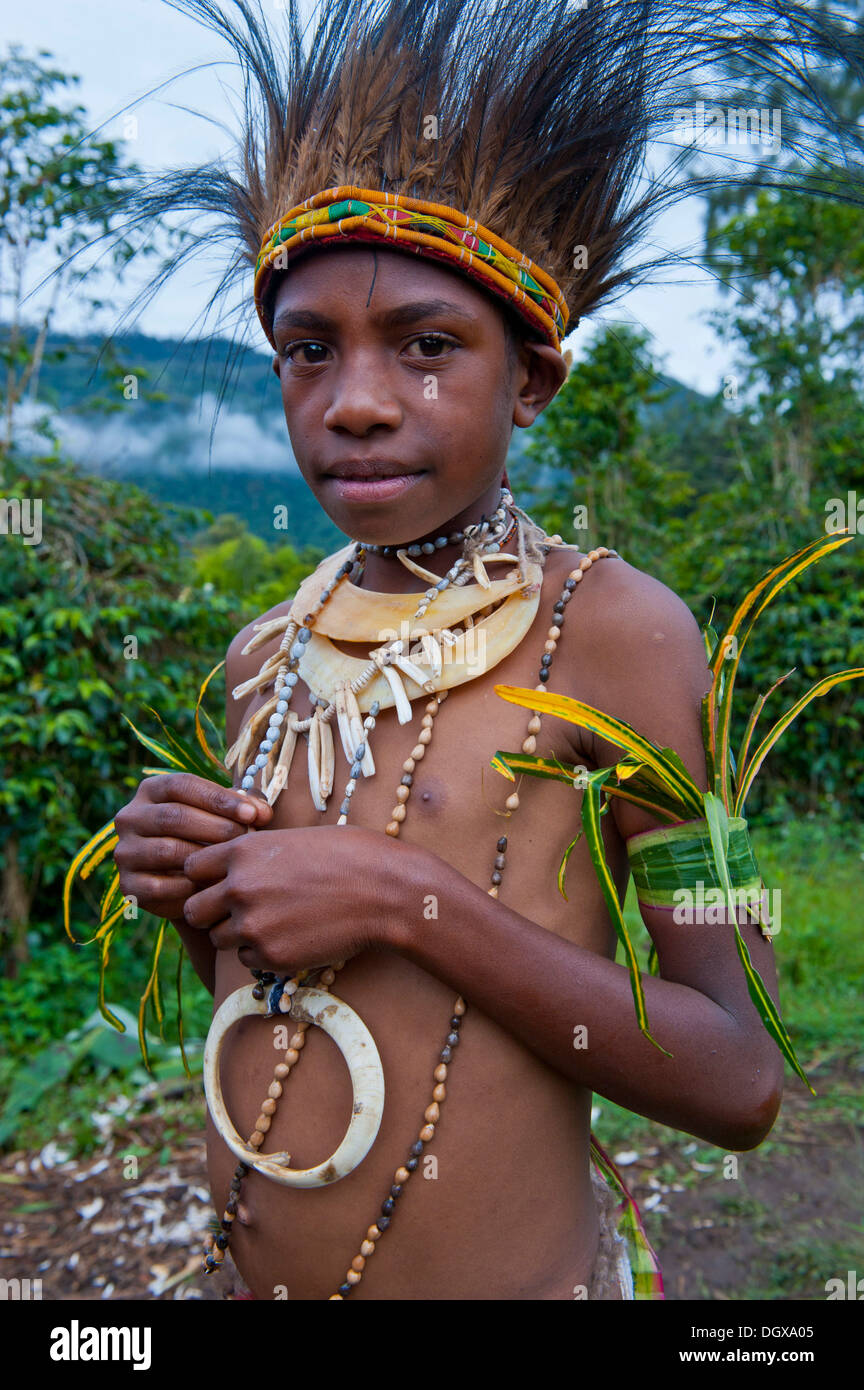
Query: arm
point(724, 1081)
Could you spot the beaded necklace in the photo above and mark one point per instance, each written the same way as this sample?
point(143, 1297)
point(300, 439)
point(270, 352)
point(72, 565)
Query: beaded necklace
point(280, 989)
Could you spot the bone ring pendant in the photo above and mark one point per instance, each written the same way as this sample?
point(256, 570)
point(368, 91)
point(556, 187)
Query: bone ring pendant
point(357, 1046)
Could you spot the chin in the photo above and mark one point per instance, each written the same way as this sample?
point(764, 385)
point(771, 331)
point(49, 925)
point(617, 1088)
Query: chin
point(382, 518)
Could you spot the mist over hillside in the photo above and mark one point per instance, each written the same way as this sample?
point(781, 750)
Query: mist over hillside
point(144, 410)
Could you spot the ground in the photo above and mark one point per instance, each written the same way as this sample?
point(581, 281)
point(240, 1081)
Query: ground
point(93, 1228)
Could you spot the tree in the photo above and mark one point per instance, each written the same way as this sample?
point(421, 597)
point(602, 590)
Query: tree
point(57, 187)
point(796, 422)
point(589, 468)
point(98, 621)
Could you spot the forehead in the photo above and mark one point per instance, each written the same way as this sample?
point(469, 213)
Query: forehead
point(383, 277)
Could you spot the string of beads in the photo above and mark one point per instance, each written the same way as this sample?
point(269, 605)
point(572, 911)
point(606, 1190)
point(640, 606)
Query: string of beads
point(215, 1254)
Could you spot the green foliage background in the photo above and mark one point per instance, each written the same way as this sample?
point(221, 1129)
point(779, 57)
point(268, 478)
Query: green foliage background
point(705, 494)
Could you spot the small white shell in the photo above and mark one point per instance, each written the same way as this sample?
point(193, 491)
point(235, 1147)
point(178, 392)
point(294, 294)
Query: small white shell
point(314, 762)
point(403, 704)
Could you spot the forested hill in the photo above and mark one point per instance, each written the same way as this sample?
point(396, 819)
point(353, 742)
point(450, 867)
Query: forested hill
point(142, 408)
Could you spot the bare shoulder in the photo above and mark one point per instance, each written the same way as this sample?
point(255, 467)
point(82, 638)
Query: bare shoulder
point(633, 649)
point(239, 668)
point(621, 604)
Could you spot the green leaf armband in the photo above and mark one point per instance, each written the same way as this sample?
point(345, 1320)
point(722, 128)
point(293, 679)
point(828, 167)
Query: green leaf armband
point(675, 864)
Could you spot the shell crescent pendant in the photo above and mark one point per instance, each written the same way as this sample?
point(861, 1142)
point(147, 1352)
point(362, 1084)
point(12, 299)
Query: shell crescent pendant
point(357, 1046)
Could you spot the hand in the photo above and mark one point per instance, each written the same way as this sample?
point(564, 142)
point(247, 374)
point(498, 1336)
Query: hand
point(170, 815)
point(298, 899)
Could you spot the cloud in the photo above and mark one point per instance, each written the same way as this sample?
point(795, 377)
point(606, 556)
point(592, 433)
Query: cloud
point(137, 437)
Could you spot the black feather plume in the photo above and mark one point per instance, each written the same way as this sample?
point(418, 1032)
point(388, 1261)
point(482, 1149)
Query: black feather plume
point(555, 121)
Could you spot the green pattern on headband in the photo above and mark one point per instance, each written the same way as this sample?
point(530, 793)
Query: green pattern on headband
point(461, 243)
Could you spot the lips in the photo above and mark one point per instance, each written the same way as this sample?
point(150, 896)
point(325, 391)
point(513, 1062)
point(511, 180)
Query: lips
point(371, 480)
point(369, 470)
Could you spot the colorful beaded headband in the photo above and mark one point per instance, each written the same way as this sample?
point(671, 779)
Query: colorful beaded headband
point(429, 229)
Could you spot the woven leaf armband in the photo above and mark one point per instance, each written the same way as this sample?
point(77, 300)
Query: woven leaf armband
point(674, 867)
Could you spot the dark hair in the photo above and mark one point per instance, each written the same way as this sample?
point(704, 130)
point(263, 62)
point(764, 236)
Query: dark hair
point(552, 111)
point(516, 333)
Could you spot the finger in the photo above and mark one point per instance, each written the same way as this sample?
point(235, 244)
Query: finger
point(152, 855)
point(173, 820)
point(206, 908)
point(164, 896)
point(227, 936)
point(208, 864)
point(206, 796)
point(250, 959)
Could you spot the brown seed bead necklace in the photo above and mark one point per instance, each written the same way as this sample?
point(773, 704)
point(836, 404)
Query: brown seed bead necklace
point(215, 1253)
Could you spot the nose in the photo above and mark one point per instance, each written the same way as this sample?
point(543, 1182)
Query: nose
point(362, 397)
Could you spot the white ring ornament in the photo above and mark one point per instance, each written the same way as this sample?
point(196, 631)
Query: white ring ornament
point(357, 1046)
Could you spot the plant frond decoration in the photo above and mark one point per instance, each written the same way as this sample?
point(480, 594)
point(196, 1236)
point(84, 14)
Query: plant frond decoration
point(175, 756)
point(657, 780)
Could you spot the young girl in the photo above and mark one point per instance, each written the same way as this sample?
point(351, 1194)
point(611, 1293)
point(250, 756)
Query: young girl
point(431, 199)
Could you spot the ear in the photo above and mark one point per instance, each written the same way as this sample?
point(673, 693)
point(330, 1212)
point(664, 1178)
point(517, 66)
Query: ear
point(539, 376)
point(276, 364)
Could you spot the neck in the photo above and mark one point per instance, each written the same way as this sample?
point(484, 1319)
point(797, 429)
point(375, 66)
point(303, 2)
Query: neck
point(386, 574)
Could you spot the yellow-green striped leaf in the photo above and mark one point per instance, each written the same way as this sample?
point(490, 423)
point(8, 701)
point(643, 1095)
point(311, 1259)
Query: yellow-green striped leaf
point(142, 1003)
point(643, 787)
point(153, 747)
point(179, 991)
point(743, 620)
point(820, 688)
point(562, 868)
point(72, 872)
point(103, 966)
point(758, 706)
point(199, 728)
point(718, 825)
point(108, 897)
point(614, 730)
point(767, 1010)
point(591, 823)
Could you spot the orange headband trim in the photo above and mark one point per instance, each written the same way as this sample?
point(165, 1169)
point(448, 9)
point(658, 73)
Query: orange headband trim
point(429, 229)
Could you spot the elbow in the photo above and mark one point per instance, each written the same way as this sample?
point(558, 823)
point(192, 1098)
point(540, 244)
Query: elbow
point(756, 1120)
point(740, 1113)
point(756, 1128)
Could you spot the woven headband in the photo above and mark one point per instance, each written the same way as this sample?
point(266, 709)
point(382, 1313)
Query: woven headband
point(428, 229)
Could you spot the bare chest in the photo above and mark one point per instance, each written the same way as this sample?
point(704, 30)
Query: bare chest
point(455, 809)
point(449, 799)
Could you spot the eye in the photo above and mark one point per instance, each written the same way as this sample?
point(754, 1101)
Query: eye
point(304, 347)
point(436, 339)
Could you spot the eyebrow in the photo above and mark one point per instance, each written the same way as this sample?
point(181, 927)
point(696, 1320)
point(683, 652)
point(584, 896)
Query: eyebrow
point(391, 318)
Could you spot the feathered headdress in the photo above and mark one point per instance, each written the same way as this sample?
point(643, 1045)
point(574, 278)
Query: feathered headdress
point(525, 144)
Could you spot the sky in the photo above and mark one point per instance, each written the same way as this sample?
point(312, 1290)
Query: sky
point(123, 50)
